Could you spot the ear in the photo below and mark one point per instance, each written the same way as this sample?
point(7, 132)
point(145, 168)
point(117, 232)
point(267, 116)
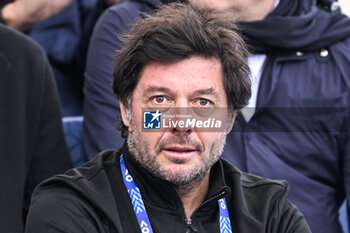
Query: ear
point(231, 121)
point(123, 110)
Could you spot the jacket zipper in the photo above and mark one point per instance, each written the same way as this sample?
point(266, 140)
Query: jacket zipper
point(188, 221)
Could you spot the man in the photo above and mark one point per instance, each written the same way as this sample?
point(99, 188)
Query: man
point(300, 61)
point(180, 60)
point(32, 143)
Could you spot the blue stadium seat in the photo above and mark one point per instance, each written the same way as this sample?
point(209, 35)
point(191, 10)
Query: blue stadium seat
point(73, 130)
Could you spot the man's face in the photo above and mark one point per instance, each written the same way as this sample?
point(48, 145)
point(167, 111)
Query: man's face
point(179, 155)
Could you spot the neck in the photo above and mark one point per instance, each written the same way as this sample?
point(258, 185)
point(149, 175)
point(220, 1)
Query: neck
point(193, 194)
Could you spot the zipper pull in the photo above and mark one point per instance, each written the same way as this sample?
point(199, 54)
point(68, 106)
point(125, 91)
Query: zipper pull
point(189, 227)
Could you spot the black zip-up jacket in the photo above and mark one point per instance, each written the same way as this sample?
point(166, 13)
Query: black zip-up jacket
point(93, 199)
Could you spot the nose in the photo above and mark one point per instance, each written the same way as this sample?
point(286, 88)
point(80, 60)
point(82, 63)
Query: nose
point(182, 102)
point(185, 130)
point(182, 116)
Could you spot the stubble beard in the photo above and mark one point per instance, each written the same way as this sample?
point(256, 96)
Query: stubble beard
point(186, 182)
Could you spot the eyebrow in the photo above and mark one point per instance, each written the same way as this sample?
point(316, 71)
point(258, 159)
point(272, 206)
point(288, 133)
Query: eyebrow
point(208, 91)
point(152, 89)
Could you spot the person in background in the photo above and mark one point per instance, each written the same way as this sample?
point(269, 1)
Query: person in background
point(32, 143)
point(179, 60)
point(62, 28)
point(300, 61)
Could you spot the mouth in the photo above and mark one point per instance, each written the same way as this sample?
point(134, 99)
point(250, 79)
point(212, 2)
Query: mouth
point(180, 149)
point(179, 154)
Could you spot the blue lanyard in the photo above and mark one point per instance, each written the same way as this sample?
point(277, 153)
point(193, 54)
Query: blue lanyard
point(140, 209)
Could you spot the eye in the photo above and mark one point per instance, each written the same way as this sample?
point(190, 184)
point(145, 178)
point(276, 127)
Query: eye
point(159, 99)
point(204, 102)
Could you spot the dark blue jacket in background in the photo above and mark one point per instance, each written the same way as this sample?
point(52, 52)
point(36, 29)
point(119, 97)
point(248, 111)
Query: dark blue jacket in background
point(65, 38)
point(300, 131)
